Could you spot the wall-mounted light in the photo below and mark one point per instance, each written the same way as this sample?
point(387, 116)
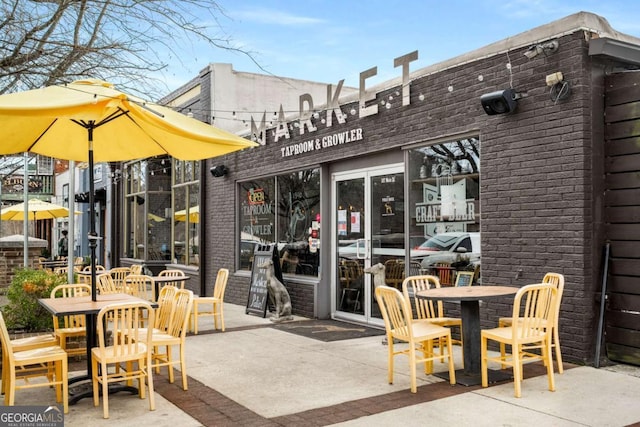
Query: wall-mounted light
point(499, 102)
point(546, 48)
point(219, 171)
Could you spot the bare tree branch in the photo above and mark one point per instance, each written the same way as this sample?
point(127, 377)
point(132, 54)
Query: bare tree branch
point(44, 42)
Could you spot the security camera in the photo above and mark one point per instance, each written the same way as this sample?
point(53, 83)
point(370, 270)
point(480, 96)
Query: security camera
point(533, 51)
point(219, 171)
point(546, 48)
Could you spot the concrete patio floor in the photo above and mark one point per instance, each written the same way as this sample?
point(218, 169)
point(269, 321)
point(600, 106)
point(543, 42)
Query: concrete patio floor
point(253, 374)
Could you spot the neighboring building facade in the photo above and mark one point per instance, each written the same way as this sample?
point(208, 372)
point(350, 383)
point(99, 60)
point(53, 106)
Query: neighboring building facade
point(40, 184)
point(367, 179)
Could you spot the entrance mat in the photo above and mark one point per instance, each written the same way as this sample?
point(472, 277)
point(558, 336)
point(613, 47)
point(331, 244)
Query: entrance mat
point(328, 330)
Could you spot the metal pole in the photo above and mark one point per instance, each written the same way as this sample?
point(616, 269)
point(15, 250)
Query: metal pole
point(25, 222)
point(72, 220)
point(603, 298)
point(93, 236)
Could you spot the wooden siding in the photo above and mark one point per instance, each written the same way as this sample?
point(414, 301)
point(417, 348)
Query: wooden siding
point(622, 216)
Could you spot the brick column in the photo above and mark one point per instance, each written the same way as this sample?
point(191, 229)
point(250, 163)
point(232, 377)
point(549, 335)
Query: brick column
point(12, 256)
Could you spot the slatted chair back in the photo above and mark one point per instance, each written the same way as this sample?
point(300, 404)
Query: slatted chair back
point(173, 273)
point(106, 285)
point(221, 284)
point(165, 307)
point(425, 308)
point(136, 269)
point(118, 274)
point(179, 322)
point(70, 326)
point(139, 285)
point(70, 291)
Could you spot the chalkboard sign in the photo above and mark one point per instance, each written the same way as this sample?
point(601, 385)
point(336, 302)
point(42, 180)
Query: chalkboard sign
point(464, 278)
point(258, 294)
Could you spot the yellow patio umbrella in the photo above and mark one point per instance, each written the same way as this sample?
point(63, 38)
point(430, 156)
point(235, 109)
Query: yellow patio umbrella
point(37, 209)
point(194, 215)
point(90, 121)
point(155, 218)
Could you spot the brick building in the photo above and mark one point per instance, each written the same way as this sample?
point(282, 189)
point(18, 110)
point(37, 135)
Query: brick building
point(351, 181)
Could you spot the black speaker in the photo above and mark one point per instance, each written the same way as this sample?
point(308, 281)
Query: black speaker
point(218, 171)
point(499, 102)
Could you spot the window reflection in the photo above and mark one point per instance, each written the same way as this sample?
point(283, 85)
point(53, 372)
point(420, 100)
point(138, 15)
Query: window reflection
point(147, 227)
point(282, 209)
point(184, 249)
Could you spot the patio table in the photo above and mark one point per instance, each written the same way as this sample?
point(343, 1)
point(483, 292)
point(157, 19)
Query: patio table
point(157, 280)
point(469, 297)
point(85, 305)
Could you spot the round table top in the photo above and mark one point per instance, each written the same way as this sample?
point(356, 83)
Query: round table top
point(467, 293)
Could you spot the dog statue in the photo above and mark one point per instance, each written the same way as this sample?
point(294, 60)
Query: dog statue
point(377, 271)
point(278, 294)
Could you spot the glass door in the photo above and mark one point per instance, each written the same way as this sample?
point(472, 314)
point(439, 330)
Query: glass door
point(368, 229)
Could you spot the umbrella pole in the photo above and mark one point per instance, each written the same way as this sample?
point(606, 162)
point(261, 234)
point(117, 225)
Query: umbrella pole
point(93, 236)
point(25, 222)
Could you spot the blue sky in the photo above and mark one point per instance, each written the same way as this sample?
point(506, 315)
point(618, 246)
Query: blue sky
point(327, 40)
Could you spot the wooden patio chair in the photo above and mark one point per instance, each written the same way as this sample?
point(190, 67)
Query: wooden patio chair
point(136, 268)
point(118, 275)
point(27, 343)
point(419, 336)
point(70, 326)
point(125, 322)
point(216, 302)
point(428, 310)
point(173, 335)
point(106, 285)
point(173, 273)
point(533, 311)
point(49, 362)
point(558, 281)
point(165, 307)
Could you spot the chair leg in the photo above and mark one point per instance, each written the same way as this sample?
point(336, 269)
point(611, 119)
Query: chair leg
point(94, 382)
point(390, 355)
point(58, 377)
point(148, 370)
point(547, 354)
point(195, 318)
point(183, 368)
point(10, 393)
point(452, 370)
point(169, 363)
point(65, 385)
point(412, 368)
point(221, 314)
point(503, 354)
point(105, 392)
point(517, 371)
point(556, 345)
point(483, 362)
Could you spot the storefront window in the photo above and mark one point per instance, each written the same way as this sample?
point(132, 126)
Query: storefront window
point(186, 213)
point(293, 222)
point(147, 202)
point(444, 201)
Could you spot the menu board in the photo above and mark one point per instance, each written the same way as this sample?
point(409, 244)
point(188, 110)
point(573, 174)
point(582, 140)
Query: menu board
point(258, 298)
